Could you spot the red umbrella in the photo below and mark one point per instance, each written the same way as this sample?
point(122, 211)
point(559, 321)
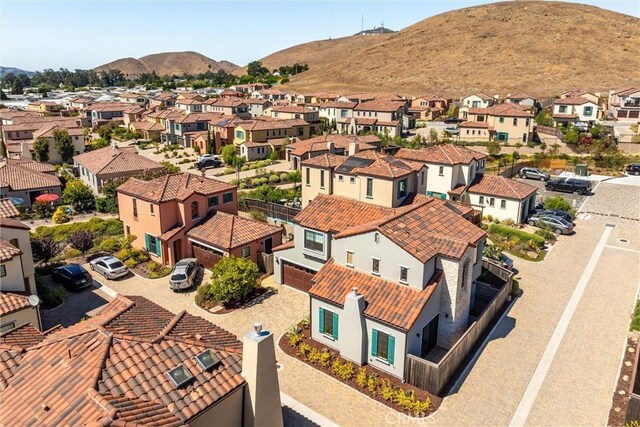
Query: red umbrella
point(47, 198)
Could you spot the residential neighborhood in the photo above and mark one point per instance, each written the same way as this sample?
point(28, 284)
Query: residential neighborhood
point(189, 242)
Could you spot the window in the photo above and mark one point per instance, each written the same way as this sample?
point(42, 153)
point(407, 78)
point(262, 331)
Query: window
point(563, 109)
point(227, 198)
point(128, 230)
point(246, 252)
point(307, 176)
point(422, 178)
point(153, 244)
point(481, 201)
point(3, 271)
point(588, 111)
point(135, 208)
point(239, 134)
point(328, 323)
point(473, 132)
point(352, 179)
point(340, 178)
point(151, 209)
point(503, 204)
point(321, 179)
point(349, 258)
point(465, 273)
point(212, 201)
point(375, 266)
point(369, 188)
point(194, 210)
point(441, 170)
point(492, 201)
point(526, 122)
point(7, 327)
point(383, 346)
point(404, 274)
point(313, 241)
point(402, 188)
point(524, 137)
point(501, 119)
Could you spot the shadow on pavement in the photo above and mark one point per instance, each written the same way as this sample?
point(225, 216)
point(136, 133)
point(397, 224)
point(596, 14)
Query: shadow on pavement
point(76, 306)
point(292, 418)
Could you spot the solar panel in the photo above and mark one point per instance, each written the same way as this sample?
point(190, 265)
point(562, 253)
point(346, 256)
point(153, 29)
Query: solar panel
point(352, 163)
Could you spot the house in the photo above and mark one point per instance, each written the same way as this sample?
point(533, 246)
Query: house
point(575, 109)
point(257, 106)
point(376, 116)
point(500, 197)
point(79, 103)
point(167, 119)
point(133, 98)
point(96, 167)
point(136, 363)
point(26, 179)
point(230, 93)
point(17, 274)
point(337, 112)
point(261, 150)
point(500, 122)
point(261, 129)
point(22, 128)
point(429, 107)
point(222, 234)
point(222, 131)
point(575, 93)
point(249, 88)
point(367, 176)
point(478, 100)
point(149, 130)
point(184, 125)
point(191, 105)
point(316, 97)
point(103, 112)
point(290, 112)
point(272, 94)
point(163, 100)
point(522, 99)
point(624, 104)
point(44, 108)
point(299, 150)
point(160, 212)
point(77, 138)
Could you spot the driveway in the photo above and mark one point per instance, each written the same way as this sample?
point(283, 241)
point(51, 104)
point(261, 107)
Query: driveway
point(76, 306)
point(574, 199)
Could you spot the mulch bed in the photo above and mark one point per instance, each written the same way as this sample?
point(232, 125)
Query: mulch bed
point(256, 297)
point(620, 401)
point(395, 382)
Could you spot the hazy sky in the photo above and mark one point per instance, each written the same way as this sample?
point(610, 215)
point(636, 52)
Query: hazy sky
point(86, 33)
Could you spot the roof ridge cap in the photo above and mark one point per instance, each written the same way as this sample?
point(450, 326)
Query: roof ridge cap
point(169, 327)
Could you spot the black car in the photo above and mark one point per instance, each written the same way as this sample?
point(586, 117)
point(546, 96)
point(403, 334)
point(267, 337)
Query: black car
point(633, 169)
point(208, 163)
point(449, 120)
point(569, 185)
point(555, 212)
point(73, 277)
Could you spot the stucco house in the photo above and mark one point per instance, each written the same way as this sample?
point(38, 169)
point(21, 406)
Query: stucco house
point(575, 109)
point(160, 212)
point(257, 106)
point(375, 116)
point(500, 122)
point(429, 106)
point(75, 133)
point(149, 130)
point(27, 179)
point(336, 111)
point(624, 104)
point(522, 99)
point(500, 197)
point(299, 150)
point(478, 100)
point(45, 107)
point(575, 93)
point(261, 129)
point(228, 106)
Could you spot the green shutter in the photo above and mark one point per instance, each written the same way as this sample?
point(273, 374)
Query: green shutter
point(335, 326)
point(374, 343)
point(429, 193)
point(157, 246)
point(321, 320)
point(443, 196)
point(390, 349)
point(146, 241)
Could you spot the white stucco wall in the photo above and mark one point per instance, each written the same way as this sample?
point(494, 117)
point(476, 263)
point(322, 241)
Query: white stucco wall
point(439, 183)
point(300, 256)
point(511, 210)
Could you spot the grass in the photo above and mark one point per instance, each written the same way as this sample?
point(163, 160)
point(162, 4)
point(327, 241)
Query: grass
point(635, 321)
point(524, 256)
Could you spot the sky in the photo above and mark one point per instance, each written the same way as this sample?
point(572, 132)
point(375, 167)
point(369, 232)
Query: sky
point(87, 33)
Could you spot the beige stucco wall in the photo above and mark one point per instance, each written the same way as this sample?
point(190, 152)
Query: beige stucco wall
point(313, 188)
point(19, 318)
point(512, 209)
point(440, 183)
point(24, 244)
point(227, 412)
point(477, 134)
point(13, 281)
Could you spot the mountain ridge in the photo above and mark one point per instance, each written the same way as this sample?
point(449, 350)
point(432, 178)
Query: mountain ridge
point(168, 63)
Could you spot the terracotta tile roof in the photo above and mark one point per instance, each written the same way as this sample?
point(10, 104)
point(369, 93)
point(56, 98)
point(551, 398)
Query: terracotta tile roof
point(13, 223)
point(147, 126)
point(23, 336)
point(173, 187)
point(300, 109)
point(263, 123)
point(482, 125)
point(483, 96)
point(10, 302)
point(628, 91)
point(228, 102)
point(32, 165)
point(19, 177)
point(520, 95)
point(379, 105)
point(508, 109)
point(8, 251)
point(340, 105)
point(290, 244)
point(92, 374)
point(115, 161)
point(319, 143)
point(447, 154)
point(499, 186)
point(226, 231)
point(376, 164)
point(324, 161)
point(366, 121)
point(386, 301)
point(8, 209)
point(110, 107)
point(47, 131)
point(565, 116)
point(573, 100)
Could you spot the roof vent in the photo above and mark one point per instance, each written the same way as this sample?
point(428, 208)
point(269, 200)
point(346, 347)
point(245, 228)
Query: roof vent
point(208, 360)
point(180, 376)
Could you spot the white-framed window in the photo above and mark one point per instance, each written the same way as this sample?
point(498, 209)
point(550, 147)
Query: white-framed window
point(352, 179)
point(349, 258)
point(404, 274)
point(481, 200)
point(328, 323)
point(383, 346)
point(369, 188)
point(375, 266)
point(313, 241)
point(503, 204)
point(441, 170)
point(340, 178)
point(492, 201)
point(321, 179)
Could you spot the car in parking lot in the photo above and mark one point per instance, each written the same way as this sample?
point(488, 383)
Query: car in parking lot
point(633, 169)
point(208, 163)
point(569, 185)
point(452, 130)
point(557, 224)
point(109, 266)
point(72, 276)
point(533, 173)
point(556, 212)
point(184, 274)
point(209, 156)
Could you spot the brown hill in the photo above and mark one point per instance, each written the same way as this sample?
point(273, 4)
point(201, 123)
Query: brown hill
point(168, 63)
point(540, 47)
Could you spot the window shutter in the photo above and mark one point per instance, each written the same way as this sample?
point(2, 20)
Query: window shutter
point(335, 326)
point(157, 246)
point(146, 241)
point(321, 320)
point(374, 342)
point(391, 348)
point(429, 193)
point(443, 196)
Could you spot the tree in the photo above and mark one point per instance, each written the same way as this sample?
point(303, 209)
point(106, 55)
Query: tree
point(81, 240)
point(41, 149)
point(295, 177)
point(60, 216)
point(44, 248)
point(558, 203)
point(96, 144)
point(64, 144)
point(255, 69)
point(79, 195)
point(169, 167)
point(572, 136)
point(433, 135)
point(228, 153)
point(233, 279)
point(493, 148)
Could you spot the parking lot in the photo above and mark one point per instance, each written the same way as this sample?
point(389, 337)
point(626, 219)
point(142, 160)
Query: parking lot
point(574, 199)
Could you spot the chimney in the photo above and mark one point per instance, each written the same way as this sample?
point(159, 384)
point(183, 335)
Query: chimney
point(354, 147)
point(262, 406)
point(331, 146)
point(352, 330)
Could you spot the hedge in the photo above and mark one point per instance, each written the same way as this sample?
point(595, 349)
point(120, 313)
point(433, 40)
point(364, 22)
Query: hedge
point(510, 233)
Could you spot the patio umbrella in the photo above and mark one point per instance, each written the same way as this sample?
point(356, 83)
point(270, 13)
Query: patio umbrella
point(47, 198)
point(16, 200)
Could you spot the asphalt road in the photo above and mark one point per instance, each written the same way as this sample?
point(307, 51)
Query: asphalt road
point(574, 199)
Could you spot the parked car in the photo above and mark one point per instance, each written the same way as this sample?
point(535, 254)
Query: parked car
point(72, 276)
point(569, 185)
point(533, 173)
point(557, 224)
point(633, 169)
point(109, 266)
point(555, 212)
point(209, 156)
point(184, 274)
point(208, 163)
point(452, 130)
point(450, 120)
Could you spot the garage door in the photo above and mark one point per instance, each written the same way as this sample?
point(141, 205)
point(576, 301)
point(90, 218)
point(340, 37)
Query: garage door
point(205, 256)
point(296, 276)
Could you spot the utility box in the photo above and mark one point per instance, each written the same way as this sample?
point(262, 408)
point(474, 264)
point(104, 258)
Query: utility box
point(582, 170)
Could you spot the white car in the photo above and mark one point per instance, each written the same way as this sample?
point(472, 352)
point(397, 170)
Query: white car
point(109, 266)
point(452, 130)
point(209, 156)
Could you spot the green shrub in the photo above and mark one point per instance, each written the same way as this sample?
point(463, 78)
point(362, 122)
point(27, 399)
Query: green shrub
point(547, 235)
point(295, 339)
point(387, 391)
point(284, 177)
point(493, 252)
point(261, 164)
point(229, 171)
point(314, 356)
point(50, 296)
point(258, 215)
point(372, 384)
point(130, 263)
point(509, 233)
point(244, 168)
point(60, 216)
point(325, 358)
point(110, 244)
point(255, 182)
point(264, 181)
point(100, 228)
point(515, 287)
point(107, 204)
point(304, 349)
point(274, 179)
point(242, 185)
point(361, 378)
point(635, 321)
point(71, 253)
point(234, 182)
point(155, 270)
point(559, 203)
point(233, 279)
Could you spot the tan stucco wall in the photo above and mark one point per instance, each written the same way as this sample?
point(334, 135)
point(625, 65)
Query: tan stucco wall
point(227, 412)
point(26, 315)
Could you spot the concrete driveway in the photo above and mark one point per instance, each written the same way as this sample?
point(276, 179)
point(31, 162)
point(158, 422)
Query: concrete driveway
point(574, 199)
point(76, 306)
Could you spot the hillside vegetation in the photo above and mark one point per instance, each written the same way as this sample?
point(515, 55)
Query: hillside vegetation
point(168, 63)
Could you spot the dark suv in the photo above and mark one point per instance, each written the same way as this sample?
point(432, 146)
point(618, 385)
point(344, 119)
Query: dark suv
point(569, 185)
point(633, 169)
point(208, 163)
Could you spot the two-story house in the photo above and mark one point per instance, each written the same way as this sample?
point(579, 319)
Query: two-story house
point(163, 100)
point(429, 107)
point(290, 112)
point(624, 104)
point(261, 129)
point(374, 311)
point(133, 98)
point(478, 100)
point(47, 133)
point(522, 99)
point(228, 106)
point(337, 112)
point(257, 106)
point(26, 179)
point(581, 93)
point(500, 122)
point(186, 124)
point(45, 108)
point(377, 116)
point(191, 105)
point(575, 109)
point(272, 94)
point(299, 150)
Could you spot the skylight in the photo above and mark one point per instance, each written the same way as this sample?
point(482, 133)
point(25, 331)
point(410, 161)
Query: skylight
point(208, 360)
point(180, 375)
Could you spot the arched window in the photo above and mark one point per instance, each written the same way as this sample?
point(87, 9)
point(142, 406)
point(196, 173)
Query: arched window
point(465, 272)
point(194, 210)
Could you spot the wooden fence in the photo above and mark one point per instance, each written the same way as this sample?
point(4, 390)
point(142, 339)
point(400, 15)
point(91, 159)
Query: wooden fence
point(271, 210)
point(437, 377)
point(548, 130)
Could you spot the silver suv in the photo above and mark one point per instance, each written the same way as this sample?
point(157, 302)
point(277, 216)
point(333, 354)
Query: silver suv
point(184, 274)
point(533, 173)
